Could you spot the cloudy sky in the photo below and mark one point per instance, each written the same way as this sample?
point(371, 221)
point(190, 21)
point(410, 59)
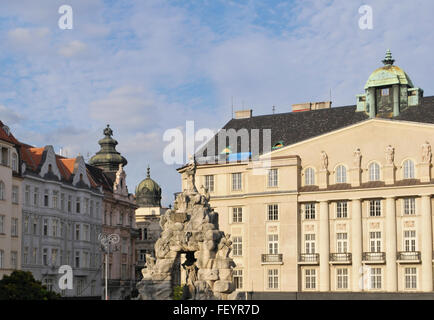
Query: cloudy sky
point(148, 66)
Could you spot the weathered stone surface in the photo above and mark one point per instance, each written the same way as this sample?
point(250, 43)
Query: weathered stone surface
point(208, 274)
point(225, 274)
point(222, 286)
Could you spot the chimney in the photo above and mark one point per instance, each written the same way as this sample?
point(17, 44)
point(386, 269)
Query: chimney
point(311, 106)
point(243, 114)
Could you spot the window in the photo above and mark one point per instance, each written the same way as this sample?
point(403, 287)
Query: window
point(375, 241)
point(410, 240)
point(35, 225)
point(80, 286)
point(26, 224)
point(55, 228)
point(86, 232)
point(376, 277)
point(309, 177)
point(374, 171)
point(77, 232)
point(2, 224)
point(86, 206)
point(341, 174)
point(14, 227)
point(375, 208)
point(45, 257)
point(14, 259)
point(14, 162)
point(123, 271)
point(62, 202)
point(238, 278)
point(236, 181)
point(309, 243)
point(86, 261)
point(2, 257)
point(341, 209)
point(36, 197)
point(2, 190)
point(26, 255)
point(408, 169)
point(46, 198)
point(15, 194)
point(410, 278)
point(237, 215)
point(54, 253)
point(121, 218)
point(309, 211)
point(77, 259)
point(310, 279)
point(209, 183)
point(272, 178)
point(409, 206)
point(273, 279)
point(55, 200)
point(273, 244)
point(342, 278)
point(342, 242)
point(273, 212)
point(35, 256)
point(145, 234)
point(27, 196)
point(69, 204)
point(237, 246)
point(91, 208)
point(142, 255)
point(45, 228)
point(77, 205)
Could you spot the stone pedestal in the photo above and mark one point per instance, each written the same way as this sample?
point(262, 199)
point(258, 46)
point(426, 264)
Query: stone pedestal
point(323, 179)
point(355, 176)
point(389, 174)
point(424, 172)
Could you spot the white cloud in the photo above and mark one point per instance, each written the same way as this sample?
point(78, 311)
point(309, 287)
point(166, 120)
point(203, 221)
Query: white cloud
point(9, 117)
point(73, 48)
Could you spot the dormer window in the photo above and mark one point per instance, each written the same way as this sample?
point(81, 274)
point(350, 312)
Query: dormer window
point(6, 130)
point(50, 168)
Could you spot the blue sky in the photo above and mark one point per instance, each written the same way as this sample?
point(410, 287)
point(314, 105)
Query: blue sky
point(148, 66)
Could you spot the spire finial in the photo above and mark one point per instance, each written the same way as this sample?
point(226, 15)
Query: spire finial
point(388, 61)
point(108, 131)
point(148, 172)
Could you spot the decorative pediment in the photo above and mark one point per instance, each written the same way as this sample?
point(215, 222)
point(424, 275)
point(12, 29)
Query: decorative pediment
point(48, 165)
point(80, 173)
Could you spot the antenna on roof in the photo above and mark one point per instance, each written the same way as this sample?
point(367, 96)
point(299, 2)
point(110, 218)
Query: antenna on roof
point(330, 94)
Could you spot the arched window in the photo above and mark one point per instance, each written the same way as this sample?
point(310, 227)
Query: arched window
point(2, 190)
point(374, 172)
point(14, 162)
point(341, 174)
point(309, 177)
point(408, 169)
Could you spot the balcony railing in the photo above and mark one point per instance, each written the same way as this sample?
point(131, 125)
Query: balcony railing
point(408, 256)
point(340, 257)
point(374, 257)
point(272, 258)
point(308, 258)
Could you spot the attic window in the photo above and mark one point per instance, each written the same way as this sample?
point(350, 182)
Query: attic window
point(81, 177)
point(278, 145)
point(50, 168)
point(6, 129)
point(385, 92)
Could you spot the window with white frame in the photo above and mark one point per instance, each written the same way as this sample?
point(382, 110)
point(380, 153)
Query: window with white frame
point(273, 278)
point(309, 243)
point(54, 254)
point(46, 198)
point(376, 278)
point(2, 190)
point(341, 174)
point(272, 178)
point(26, 255)
point(77, 232)
point(27, 195)
point(375, 208)
point(55, 228)
point(410, 240)
point(342, 278)
point(45, 257)
point(55, 200)
point(309, 177)
point(14, 162)
point(14, 259)
point(341, 209)
point(310, 279)
point(209, 182)
point(237, 245)
point(273, 212)
point(273, 244)
point(374, 171)
point(342, 242)
point(2, 224)
point(15, 193)
point(410, 275)
point(309, 210)
point(14, 227)
point(238, 278)
point(78, 205)
point(236, 181)
point(237, 215)
point(35, 256)
point(375, 241)
point(409, 206)
point(2, 258)
point(408, 167)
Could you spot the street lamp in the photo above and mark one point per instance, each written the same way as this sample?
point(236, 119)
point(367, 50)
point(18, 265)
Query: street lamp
point(107, 240)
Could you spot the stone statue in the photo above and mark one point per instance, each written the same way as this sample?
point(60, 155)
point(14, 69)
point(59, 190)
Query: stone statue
point(324, 160)
point(120, 185)
point(426, 152)
point(390, 153)
point(191, 172)
point(357, 158)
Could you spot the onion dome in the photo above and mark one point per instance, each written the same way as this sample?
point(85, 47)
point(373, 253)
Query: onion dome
point(108, 159)
point(148, 192)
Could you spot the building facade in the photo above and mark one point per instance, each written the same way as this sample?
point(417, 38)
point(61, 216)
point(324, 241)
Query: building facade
point(342, 201)
point(62, 217)
point(10, 202)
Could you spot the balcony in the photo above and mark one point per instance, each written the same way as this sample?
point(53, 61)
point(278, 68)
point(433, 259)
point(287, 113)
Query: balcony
point(408, 257)
point(272, 258)
point(340, 258)
point(308, 258)
point(374, 257)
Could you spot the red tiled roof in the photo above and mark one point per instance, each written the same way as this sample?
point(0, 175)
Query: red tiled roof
point(7, 137)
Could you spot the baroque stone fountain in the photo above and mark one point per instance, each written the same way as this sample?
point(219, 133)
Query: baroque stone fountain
point(190, 228)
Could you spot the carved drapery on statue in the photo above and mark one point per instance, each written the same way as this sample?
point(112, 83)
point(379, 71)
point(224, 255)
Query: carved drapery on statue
point(191, 227)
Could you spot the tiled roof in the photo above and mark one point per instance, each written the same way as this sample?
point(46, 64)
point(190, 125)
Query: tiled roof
point(5, 136)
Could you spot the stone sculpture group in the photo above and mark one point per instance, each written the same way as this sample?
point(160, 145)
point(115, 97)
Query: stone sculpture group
point(190, 228)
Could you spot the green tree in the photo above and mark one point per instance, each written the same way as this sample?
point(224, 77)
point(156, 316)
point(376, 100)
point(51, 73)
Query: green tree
point(21, 285)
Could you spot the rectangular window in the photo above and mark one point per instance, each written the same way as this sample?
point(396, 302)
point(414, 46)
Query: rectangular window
point(35, 256)
point(410, 278)
point(77, 232)
point(45, 228)
point(236, 181)
point(273, 212)
point(36, 197)
point(237, 246)
point(342, 278)
point(77, 259)
point(272, 178)
point(48, 283)
point(86, 206)
point(209, 183)
point(62, 202)
point(86, 261)
point(55, 228)
point(55, 200)
point(410, 240)
point(77, 205)
point(309, 211)
point(309, 243)
point(27, 196)
point(238, 278)
point(46, 198)
point(35, 225)
point(14, 259)
point(341, 209)
point(273, 244)
point(376, 278)
point(26, 255)
point(375, 241)
point(237, 215)
point(342, 242)
point(2, 224)
point(69, 204)
point(2, 257)
point(375, 208)
point(409, 206)
point(15, 194)
point(124, 271)
point(142, 255)
point(45, 257)
point(54, 253)
point(91, 208)
point(14, 227)
point(310, 279)
point(86, 232)
point(273, 279)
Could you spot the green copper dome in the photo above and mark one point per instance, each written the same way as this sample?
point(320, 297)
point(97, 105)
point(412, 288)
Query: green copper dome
point(148, 192)
point(108, 159)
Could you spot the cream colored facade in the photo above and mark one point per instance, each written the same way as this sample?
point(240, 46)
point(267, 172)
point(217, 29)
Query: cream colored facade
point(380, 238)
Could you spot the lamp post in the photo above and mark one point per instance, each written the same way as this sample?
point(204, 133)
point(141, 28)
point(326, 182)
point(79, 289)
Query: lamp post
point(107, 240)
